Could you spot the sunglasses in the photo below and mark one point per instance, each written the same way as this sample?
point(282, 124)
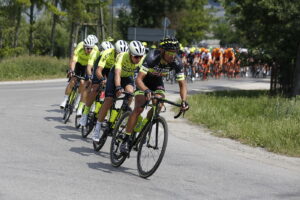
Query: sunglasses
point(137, 57)
point(87, 48)
point(171, 53)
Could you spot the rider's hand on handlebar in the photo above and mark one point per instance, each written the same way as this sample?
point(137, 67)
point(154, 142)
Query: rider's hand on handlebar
point(70, 73)
point(148, 94)
point(119, 91)
point(184, 106)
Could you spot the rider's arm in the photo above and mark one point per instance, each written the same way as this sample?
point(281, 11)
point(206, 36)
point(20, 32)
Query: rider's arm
point(99, 72)
point(117, 77)
point(139, 81)
point(183, 89)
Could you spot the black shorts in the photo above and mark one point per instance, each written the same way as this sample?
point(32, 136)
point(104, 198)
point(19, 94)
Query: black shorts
point(80, 70)
point(110, 90)
point(154, 83)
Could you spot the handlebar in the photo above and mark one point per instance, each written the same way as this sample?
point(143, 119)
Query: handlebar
point(159, 99)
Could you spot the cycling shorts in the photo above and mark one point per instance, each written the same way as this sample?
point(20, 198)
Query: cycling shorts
point(80, 70)
point(110, 90)
point(105, 73)
point(154, 83)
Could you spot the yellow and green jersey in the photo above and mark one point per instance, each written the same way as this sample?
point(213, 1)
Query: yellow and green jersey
point(85, 59)
point(124, 63)
point(107, 58)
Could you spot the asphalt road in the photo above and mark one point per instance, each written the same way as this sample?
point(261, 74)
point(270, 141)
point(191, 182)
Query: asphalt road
point(42, 158)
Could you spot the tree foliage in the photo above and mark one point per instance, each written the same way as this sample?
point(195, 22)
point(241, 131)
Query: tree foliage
point(274, 27)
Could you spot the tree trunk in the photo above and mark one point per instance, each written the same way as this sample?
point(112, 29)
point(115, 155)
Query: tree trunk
point(31, 20)
point(71, 41)
point(296, 88)
point(55, 19)
point(17, 28)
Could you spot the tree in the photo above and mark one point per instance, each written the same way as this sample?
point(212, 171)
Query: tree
point(274, 27)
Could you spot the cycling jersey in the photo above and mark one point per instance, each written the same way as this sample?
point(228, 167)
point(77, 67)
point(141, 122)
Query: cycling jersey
point(81, 57)
point(206, 56)
point(154, 65)
point(228, 54)
point(107, 58)
point(216, 54)
point(124, 63)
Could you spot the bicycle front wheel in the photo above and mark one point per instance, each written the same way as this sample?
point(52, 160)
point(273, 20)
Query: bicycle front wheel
point(152, 147)
point(116, 157)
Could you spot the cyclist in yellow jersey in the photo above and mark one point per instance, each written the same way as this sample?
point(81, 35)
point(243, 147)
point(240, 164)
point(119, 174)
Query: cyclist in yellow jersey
point(83, 56)
point(120, 77)
point(101, 70)
point(87, 87)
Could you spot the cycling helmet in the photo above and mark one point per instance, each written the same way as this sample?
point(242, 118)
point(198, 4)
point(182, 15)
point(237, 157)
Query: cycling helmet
point(121, 46)
point(169, 44)
point(136, 48)
point(93, 38)
point(106, 45)
point(88, 42)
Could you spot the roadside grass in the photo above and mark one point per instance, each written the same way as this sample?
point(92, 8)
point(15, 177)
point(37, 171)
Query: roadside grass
point(251, 117)
point(32, 68)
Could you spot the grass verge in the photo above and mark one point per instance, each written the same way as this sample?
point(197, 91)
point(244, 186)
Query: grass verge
point(252, 117)
point(32, 68)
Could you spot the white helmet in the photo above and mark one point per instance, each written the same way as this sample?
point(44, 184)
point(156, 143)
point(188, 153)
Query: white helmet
point(136, 48)
point(106, 45)
point(121, 46)
point(88, 42)
point(93, 38)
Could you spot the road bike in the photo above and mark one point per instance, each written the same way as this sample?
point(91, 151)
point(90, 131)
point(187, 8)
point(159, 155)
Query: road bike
point(150, 142)
point(68, 110)
point(115, 114)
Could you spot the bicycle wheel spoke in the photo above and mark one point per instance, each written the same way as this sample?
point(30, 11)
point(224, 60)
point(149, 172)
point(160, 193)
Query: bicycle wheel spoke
point(152, 150)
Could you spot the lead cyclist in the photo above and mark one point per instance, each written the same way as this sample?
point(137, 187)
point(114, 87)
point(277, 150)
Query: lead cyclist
point(157, 64)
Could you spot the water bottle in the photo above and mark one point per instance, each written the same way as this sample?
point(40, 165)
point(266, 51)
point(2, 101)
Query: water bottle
point(113, 115)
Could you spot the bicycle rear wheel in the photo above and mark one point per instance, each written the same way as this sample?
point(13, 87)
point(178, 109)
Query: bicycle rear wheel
point(152, 147)
point(116, 157)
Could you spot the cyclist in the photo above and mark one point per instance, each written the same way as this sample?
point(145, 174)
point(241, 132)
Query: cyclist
point(217, 61)
point(83, 56)
point(206, 61)
point(101, 70)
point(120, 77)
point(157, 64)
point(229, 60)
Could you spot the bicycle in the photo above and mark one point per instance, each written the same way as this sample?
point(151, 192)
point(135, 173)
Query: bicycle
point(144, 141)
point(115, 115)
point(68, 110)
point(93, 115)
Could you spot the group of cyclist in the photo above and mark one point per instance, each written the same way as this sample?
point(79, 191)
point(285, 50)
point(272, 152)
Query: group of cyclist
point(203, 62)
point(122, 67)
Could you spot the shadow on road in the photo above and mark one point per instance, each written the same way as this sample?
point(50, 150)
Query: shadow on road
point(58, 119)
point(108, 168)
point(66, 128)
point(55, 111)
point(85, 151)
point(72, 137)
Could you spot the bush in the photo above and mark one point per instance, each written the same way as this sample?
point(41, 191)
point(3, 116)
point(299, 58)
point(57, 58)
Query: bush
point(32, 67)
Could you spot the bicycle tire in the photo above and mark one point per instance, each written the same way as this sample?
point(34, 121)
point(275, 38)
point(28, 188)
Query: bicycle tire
point(98, 145)
point(68, 113)
point(77, 120)
point(86, 130)
point(116, 157)
point(144, 144)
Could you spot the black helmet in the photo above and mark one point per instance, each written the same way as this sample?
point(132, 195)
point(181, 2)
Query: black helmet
point(169, 44)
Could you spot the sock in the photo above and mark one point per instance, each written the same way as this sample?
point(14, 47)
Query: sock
point(81, 104)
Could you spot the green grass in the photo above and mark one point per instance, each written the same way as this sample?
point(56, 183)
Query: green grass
point(32, 67)
point(251, 117)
